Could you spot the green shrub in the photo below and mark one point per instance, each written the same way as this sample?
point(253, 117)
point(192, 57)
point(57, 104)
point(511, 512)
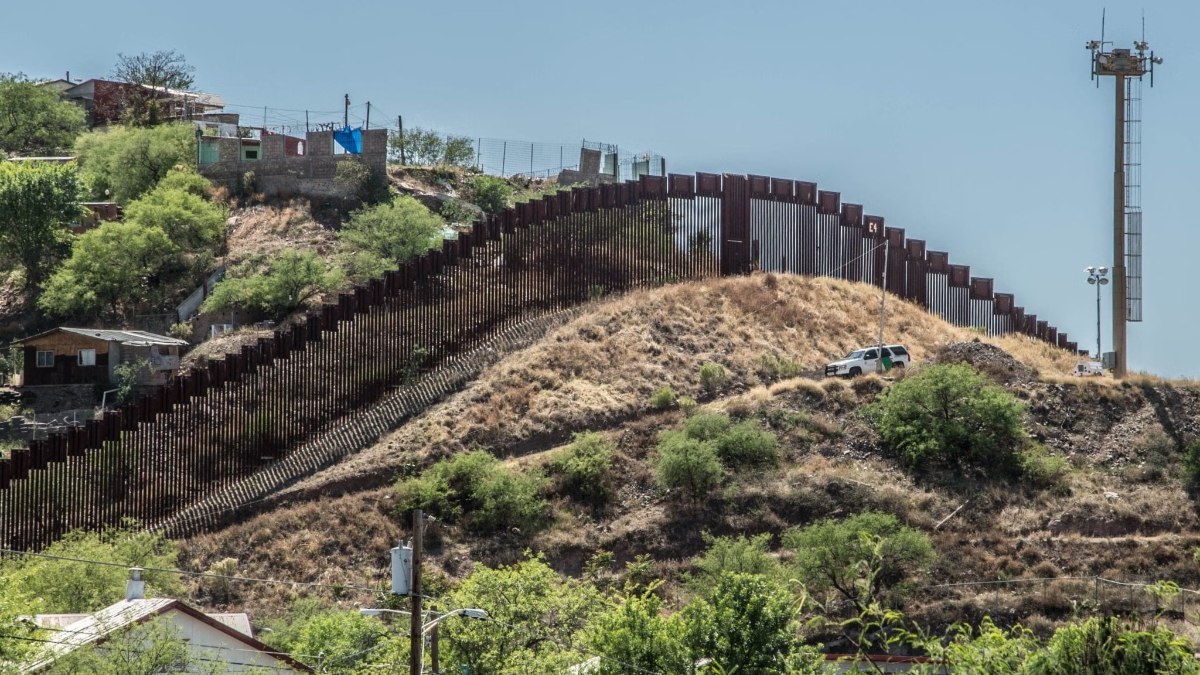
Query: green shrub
point(688, 405)
point(1191, 462)
point(858, 557)
point(772, 367)
point(713, 377)
point(950, 414)
point(395, 231)
point(457, 211)
point(292, 279)
point(477, 490)
point(1040, 467)
point(663, 398)
point(1109, 645)
point(491, 194)
point(687, 466)
point(748, 444)
point(68, 586)
point(356, 178)
point(584, 465)
point(707, 426)
point(744, 555)
point(249, 184)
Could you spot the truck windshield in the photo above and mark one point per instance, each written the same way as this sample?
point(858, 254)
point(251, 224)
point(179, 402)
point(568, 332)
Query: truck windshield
point(857, 354)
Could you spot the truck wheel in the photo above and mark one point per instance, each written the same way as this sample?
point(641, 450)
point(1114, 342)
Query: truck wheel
point(855, 371)
point(898, 364)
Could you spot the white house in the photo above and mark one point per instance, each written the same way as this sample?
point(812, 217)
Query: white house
point(224, 638)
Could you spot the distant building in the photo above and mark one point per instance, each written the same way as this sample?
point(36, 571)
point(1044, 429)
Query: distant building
point(286, 165)
point(91, 355)
point(104, 100)
point(226, 640)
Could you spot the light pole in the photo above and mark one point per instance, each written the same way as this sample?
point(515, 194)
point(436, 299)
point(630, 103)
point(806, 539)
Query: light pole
point(1097, 276)
point(429, 627)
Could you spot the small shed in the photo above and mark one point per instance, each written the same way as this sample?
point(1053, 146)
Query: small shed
point(91, 356)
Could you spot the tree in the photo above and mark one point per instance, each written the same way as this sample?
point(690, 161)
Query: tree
point(858, 557)
point(123, 162)
point(395, 231)
point(950, 413)
point(744, 555)
point(491, 194)
point(747, 626)
point(177, 207)
point(460, 151)
point(16, 630)
point(37, 202)
point(157, 73)
point(636, 633)
point(35, 120)
point(687, 465)
point(534, 615)
point(65, 586)
point(164, 69)
point(343, 639)
point(289, 281)
point(111, 267)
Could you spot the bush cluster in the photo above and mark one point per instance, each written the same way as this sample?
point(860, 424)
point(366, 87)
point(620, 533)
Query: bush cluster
point(693, 460)
point(663, 398)
point(584, 465)
point(491, 194)
point(773, 367)
point(476, 490)
point(713, 377)
point(950, 415)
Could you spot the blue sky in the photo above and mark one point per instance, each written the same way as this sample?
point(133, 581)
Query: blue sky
point(972, 125)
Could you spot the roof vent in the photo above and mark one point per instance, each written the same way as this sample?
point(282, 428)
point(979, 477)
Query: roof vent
point(135, 588)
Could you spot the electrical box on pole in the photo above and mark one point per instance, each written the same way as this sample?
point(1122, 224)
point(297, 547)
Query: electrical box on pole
point(402, 557)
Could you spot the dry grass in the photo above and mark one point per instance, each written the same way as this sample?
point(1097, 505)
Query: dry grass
point(603, 367)
point(599, 371)
point(265, 230)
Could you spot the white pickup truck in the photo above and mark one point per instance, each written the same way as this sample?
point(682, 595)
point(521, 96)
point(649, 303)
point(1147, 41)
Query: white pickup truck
point(866, 359)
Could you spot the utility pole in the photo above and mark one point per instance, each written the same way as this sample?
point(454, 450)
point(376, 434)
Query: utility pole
point(346, 111)
point(400, 122)
point(882, 304)
point(415, 592)
point(368, 122)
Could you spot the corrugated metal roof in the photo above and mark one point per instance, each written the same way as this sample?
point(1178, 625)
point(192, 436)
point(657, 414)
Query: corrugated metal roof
point(132, 338)
point(98, 626)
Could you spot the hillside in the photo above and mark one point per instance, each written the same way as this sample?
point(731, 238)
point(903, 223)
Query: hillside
point(1121, 510)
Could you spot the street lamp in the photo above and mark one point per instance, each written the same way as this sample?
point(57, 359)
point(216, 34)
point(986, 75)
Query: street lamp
point(429, 626)
point(1097, 276)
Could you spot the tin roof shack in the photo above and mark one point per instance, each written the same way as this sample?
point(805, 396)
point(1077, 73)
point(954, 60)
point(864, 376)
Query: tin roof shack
point(91, 356)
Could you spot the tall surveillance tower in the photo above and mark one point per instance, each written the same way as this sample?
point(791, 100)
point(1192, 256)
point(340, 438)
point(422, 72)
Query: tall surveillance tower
point(1127, 68)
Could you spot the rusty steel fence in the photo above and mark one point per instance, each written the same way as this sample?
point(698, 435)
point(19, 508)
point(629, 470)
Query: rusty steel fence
point(227, 418)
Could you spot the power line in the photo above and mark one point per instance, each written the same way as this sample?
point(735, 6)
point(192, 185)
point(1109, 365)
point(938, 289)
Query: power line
point(584, 650)
point(189, 642)
point(210, 575)
point(135, 651)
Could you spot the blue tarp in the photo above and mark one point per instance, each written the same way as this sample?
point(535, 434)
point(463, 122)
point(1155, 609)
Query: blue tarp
point(350, 139)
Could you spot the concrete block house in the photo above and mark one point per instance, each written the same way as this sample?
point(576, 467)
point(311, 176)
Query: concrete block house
point(66, 356)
